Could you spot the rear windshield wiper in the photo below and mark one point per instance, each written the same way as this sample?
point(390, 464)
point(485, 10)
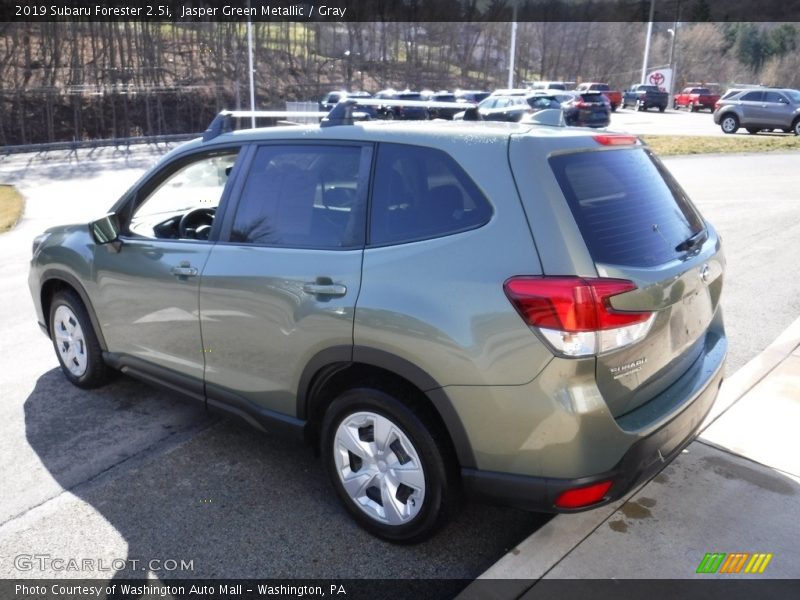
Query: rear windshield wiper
point(693, 241)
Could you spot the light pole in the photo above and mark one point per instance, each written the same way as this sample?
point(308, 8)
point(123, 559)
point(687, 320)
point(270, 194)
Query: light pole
point(647, 41)
point(250, 69)
point(673, 33)
point(513, 50)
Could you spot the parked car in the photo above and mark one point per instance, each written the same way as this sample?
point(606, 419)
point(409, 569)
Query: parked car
point(644, 97)
point(438, 112)
point(332, 98)
point(614, 96)
point(695, 98)
point(552, 85)
point(587, 109)
point(518, 313)
point(410, 112)
point(470, 96)
point(506, 108)
point(759, 109)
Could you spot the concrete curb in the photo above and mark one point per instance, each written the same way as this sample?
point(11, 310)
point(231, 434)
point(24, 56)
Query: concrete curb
point(546, 547)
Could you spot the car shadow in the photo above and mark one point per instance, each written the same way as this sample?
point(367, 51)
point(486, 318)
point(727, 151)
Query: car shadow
point(180, 485)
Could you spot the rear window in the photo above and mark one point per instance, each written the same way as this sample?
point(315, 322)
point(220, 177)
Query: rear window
point(602, 87)
point(628, 207)
point(705, 91)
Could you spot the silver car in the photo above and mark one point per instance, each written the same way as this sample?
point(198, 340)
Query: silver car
point(759, 109)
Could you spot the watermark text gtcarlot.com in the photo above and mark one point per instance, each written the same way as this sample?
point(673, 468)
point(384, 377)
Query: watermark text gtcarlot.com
point(47, 562)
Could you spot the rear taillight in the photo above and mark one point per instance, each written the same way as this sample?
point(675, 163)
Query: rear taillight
point(581, 104)
point(584, 496)
point(574, 314)
point(615, 139)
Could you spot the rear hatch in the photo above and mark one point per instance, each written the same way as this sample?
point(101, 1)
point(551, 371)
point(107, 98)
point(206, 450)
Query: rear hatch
point(592, 107)
point(638, 225)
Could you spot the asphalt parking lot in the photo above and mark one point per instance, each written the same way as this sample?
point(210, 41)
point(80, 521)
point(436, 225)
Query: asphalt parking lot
point(132, 472)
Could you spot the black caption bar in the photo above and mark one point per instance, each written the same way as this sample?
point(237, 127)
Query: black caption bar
point(400, 589)
point(400, 10)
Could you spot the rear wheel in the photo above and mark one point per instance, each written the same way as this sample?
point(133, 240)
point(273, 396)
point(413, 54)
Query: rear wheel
point(692, 107)
point(640, 105)
point(729, 124)
point(75, 342)
point(675, 105)
point(752, 130)
point(387, 466)
point(662, 108)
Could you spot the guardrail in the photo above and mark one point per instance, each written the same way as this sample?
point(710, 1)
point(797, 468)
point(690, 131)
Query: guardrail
point(103, 143)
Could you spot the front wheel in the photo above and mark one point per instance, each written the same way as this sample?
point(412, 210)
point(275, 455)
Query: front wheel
point(75, 342)
point(729, 124)
point(640, 105)
point(796, 126)
point(386, 465)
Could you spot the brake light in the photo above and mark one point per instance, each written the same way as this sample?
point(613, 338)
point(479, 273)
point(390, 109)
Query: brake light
point(582, 104)
point(575, 315)
point(584, 496)
point(615, 139)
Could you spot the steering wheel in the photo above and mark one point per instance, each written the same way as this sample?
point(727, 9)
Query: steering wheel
point(196, 224)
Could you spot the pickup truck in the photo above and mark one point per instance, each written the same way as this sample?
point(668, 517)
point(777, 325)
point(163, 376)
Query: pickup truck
point(614, 97)
point(695, 98)
point(645, 96)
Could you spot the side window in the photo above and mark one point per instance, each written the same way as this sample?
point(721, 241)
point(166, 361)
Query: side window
point(421, 193)
point(752, 96)
point(774, 97)
point(183, 201)
point(303, 196)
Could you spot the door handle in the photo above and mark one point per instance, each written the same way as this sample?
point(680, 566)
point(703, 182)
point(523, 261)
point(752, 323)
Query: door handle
point(324, 289)
point(184, 270)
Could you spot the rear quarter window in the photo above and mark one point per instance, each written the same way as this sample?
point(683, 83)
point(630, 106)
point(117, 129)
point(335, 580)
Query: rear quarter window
point(627, 206)
point(421, 193)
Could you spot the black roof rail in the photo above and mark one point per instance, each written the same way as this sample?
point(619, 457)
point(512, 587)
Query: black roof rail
point(223, 122)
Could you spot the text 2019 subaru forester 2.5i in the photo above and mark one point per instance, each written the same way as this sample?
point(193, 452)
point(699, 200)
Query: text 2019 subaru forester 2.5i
point(519, 313)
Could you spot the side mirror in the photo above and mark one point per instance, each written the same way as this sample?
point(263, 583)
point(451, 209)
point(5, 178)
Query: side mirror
point(106, 231)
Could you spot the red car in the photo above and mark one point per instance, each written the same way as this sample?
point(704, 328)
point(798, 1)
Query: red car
point(695, 98)
point(614, 97)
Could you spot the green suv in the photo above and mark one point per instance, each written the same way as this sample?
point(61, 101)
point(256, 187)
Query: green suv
point(518, 313)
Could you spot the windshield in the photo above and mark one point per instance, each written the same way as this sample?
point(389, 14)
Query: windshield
point(794, 95)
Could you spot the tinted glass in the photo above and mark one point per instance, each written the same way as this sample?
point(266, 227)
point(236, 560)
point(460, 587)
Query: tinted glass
point(603, 87)
point(422, 193)
point(752, 96)
point(627, 206)
point(774, 97)
point(302, 196)
point(701, 91)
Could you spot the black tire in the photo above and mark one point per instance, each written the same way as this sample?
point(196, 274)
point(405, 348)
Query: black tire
point(729, 123)
point(613, 108)
point(423, 440)
point(796, 126)
point(662, 108)
point(640, 106)
point(675, 105)
point(693, 107)
point(752, 130)
point(67, 310)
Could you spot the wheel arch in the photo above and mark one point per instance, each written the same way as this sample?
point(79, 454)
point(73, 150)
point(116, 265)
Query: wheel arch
point(332, 371)
point(54, 281)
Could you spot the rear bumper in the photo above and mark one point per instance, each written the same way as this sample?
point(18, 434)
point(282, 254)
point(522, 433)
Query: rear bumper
point(644, 458)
